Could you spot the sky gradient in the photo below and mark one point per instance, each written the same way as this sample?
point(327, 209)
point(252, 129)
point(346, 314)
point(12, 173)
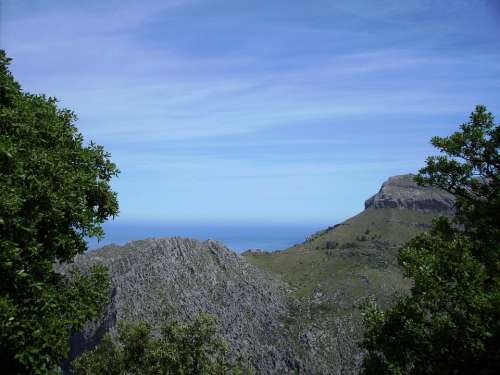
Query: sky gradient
point(258, 111)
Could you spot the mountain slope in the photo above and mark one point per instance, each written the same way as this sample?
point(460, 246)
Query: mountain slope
point(291, 311)
point(336, 269)
point(184, 277)
point(366, 242)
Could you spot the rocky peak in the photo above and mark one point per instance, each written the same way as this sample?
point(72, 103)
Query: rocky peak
point(403, 192)
point(184, 277)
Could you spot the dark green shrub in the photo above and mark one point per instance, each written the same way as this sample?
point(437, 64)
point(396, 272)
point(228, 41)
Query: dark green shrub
point(182, 348)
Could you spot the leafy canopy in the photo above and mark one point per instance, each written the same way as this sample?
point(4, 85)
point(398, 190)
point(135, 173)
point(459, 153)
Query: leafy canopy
point(450, 323)
point(182, 349)
point(54, 191)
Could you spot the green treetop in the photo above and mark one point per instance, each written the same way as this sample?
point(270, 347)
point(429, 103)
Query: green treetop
point(450, 322)
point(54, 191)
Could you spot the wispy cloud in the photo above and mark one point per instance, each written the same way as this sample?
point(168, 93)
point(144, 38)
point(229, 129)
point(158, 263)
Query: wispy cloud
point(192, 94)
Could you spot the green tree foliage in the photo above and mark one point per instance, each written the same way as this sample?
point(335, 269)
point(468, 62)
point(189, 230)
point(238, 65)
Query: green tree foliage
point(181, 349)
point(450, 323)
point(54, 191)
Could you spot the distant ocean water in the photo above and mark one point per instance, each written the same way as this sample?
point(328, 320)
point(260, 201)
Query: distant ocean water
point(238, 237)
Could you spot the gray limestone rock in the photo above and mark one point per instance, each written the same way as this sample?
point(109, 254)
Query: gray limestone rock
point(403, 192)
point(184, 277)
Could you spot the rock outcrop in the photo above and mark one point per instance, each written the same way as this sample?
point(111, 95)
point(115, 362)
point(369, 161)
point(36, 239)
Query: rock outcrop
point(403, 192)
point(185, 277)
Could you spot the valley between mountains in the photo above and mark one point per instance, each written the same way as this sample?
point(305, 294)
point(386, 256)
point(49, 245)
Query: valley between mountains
point(284, 312)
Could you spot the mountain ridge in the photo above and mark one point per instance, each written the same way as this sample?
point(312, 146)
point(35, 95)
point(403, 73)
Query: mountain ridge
point(184, 277)
point(289, 311)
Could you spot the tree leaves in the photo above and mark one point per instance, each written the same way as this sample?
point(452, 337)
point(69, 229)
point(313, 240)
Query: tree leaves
point(54, 191)
point(192, 348)
point(450, 324)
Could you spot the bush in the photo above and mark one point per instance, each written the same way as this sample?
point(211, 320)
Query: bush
point(331, 245)
point(182, 348)
point(349, 245)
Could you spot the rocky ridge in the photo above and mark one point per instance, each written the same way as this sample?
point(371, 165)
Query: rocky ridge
point(403, 192)
point(184, 277)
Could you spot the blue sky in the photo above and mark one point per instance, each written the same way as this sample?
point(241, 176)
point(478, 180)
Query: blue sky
point(283, 111)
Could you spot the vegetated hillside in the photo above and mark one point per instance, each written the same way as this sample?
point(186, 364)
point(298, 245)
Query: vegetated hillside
point(336, 269)
point(364, 244)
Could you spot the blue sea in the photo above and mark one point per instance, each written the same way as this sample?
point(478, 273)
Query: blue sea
point(237, 236)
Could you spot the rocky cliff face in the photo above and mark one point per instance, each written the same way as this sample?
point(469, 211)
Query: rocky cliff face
point(185, 277)
point(403, 192)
